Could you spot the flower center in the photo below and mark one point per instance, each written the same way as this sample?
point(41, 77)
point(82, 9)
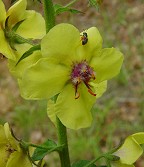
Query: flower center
point(82, 72)
point(9, 150)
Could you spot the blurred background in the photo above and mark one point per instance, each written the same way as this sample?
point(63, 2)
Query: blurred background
point(119, 113)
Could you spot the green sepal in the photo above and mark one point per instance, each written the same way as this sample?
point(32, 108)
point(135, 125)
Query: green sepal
point(29, 52)
point(11, 43)
point(44, 149)
point(8, 34)
point(11, 36)
point(54, 98)
point(18, 39)
point(16, 26)
point(60, 9)
point(82, 163)
point(112, 157)
point(6, 23)
point(24, 146)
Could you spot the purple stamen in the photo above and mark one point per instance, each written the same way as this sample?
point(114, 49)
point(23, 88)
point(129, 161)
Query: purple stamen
point(82, 72)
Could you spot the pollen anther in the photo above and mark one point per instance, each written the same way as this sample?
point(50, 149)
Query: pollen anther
point(92, 93)
point(77, 95)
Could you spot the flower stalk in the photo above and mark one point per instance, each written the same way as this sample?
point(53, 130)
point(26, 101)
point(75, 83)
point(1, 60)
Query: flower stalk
point(49, 15)
point(12, 36)
point(62, 140)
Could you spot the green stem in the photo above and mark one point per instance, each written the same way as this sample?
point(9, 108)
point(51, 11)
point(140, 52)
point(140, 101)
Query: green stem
point(21, 39)
point(15, 38)
point(37, 146)
point(51, 149)
point(93, 161)
point(62, 140)
point(49, 14)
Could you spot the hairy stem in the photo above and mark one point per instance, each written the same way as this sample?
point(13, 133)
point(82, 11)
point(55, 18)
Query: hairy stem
point(93, 161)
point(62, 140)
point(49, 14)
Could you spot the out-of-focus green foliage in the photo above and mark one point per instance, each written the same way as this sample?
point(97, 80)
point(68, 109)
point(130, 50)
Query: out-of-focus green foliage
point(95, 3)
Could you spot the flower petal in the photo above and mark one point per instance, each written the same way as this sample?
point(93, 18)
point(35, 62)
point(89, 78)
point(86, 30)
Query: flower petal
point(108, 64)
point(94, 40)
point(2, 135)
point(60, 43)
point(51, 111)
point(5, 49)
point(16, 12)
point(73, 113)
point(3, 155)
point(99, 88)
point(2, 13)
point(9, 136)
point(93, 45)
point(43, 79)
point(33, 26)
point(129, 152)
point(18, 159)
point(17, 70)
point(3, 147)
point(139, 137)
point(119, 164)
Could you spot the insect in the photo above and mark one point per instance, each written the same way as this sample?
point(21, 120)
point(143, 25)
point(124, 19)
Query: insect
point(84, 38)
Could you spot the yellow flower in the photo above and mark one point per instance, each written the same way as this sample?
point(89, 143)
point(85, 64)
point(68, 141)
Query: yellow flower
point(11, 154)
point(130, 151)
point(17, 70)
point(32, 26)
point(76, 67)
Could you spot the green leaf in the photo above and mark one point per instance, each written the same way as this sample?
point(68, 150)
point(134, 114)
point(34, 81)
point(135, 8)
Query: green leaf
point(74, 11)
point(60, 9)
point(44, 149)
point(29, 52)
point(82, 163)
point(57, 6)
